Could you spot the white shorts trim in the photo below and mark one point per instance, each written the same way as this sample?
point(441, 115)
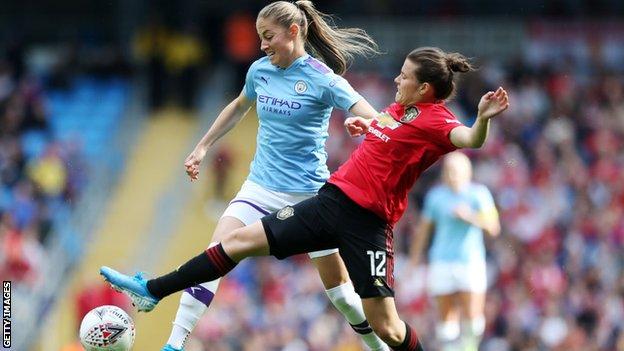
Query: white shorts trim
point(254, 202)
point(322, 253)
point(445, 278)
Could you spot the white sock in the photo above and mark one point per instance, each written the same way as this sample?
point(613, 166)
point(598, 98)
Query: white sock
point(447, 334)
point(193, 303)
point(471, 332)
point(349, 304)
point(475, 326)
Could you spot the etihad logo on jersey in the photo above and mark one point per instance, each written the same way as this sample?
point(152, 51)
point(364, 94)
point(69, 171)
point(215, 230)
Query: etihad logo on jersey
point(269, 100)
point(278, 106)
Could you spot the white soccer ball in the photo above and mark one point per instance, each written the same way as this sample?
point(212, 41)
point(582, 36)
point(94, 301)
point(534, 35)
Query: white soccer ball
point(107, 328)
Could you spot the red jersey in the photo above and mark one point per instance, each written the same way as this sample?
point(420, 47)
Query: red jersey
point(400, 144)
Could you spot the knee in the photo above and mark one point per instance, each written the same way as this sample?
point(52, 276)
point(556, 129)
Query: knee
point(234, 238)
point(236, 244)
point(344, 297)
point(244, 242)
point(392, 333)
point(332, 271)
point(334, 279)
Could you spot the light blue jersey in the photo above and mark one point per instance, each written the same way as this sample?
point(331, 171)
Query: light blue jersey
point(294, 105)
point(455, 240)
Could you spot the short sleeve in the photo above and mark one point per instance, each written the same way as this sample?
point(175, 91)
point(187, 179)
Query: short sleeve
point(485, 200)
point(428, 206)
point(337, 92)
point(250, 86)
point(485, 203)
point(441, 126)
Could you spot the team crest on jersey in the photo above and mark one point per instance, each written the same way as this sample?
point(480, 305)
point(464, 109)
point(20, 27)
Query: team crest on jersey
point(410, 114)
point(385, 120)
point(301, 87)
point(285, 213)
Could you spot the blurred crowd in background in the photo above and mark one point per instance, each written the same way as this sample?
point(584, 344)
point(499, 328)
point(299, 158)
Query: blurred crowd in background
point(57, 114)
point(553, 162)
point(39, 174)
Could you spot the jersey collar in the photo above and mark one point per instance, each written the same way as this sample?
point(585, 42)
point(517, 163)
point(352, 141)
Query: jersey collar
point(296, 62)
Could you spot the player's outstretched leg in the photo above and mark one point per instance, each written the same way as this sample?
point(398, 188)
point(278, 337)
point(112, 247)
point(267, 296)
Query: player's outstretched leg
point(341, 293)
point(195, 300)
point(211, 264)
point(135, 287)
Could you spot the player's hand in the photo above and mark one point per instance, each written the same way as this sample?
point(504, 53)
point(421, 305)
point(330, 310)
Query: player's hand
point(357, 126)
point(192, 161)
point(493, 103)
point(464, 212)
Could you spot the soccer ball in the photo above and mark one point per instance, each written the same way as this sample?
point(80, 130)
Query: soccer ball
point(107, 328)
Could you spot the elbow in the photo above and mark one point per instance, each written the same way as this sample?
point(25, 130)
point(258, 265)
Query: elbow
point(476, 144)
point(494, 230)
point(469, 142)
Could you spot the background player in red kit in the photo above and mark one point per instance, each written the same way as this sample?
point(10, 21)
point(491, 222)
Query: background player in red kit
point(356, 209)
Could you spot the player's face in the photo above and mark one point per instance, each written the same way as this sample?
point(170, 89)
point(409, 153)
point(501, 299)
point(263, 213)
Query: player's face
point(276, 41)
point(456, 171)
point(409, 90)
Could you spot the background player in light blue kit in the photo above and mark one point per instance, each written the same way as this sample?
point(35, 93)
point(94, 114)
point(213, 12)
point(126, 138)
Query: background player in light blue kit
point(458, 212)
point(294, 94)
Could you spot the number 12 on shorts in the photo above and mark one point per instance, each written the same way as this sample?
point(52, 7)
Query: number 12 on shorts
point(377, 263)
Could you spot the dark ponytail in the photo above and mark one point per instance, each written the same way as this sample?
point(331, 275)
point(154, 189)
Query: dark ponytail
point(436, 67)
point(458, 63)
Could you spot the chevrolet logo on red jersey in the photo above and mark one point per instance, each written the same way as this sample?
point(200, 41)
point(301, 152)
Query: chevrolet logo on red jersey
point(385, 120)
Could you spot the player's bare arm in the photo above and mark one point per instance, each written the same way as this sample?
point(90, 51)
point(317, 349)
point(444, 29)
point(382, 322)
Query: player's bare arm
point(226, 120)
point(491, 105)
point(364, 114)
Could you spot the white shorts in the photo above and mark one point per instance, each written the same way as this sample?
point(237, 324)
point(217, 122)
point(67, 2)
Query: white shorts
point(447, 278)
point(254, 202)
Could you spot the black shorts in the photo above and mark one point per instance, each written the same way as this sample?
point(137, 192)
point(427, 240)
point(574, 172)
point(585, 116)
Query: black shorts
point(329, 220)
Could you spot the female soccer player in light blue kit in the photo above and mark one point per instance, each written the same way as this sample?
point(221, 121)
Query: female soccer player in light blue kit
point(294, 94)
point(458, 212)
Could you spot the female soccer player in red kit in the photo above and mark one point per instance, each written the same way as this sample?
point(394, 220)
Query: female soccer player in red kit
point(356, 209)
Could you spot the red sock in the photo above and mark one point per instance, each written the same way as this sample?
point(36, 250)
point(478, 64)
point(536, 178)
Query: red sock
point(207, 266)
point(410, 343)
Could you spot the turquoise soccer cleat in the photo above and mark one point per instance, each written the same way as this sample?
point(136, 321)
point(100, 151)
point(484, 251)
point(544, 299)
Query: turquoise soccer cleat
point(135, 287)
point(170, 348)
